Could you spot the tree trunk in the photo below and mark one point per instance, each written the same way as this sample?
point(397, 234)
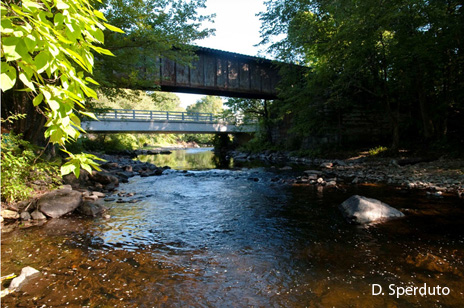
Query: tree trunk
point(32, 126)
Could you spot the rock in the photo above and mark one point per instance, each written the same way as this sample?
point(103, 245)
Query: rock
point(432, 263)
point(313, 172)
point(37, 215)
point(89, 208)
point(365, 210)
point(127, 168)
point(331, 183)
point(68, 187)
point(286, 168)
point(98, 194)
point(327, 165)
point(90, 198)
point(26, 274)
point(110, 165)
point(105, 178)
point(59, 202)
point(70, 179)
point(25, 216)
point(8, 214)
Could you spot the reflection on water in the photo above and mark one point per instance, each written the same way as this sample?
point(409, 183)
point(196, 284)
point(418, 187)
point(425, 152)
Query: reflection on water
point(223, 238)
point(188, 159)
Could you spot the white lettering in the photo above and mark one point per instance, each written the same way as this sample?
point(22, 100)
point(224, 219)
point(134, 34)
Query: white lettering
point(423, 290)
point(391, 287)
point(446, 291)
point(376, 286)
point(411, 291)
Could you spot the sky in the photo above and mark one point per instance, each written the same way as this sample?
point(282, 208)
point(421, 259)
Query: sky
point(237, 30)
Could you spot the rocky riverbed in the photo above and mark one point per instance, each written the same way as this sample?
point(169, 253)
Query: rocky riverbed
point(85, 195)
point(437, 177)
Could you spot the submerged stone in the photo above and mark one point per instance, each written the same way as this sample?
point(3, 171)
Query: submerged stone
point(26, 273)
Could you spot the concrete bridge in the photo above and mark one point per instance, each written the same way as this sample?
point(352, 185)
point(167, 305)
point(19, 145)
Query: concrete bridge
point(165, 122)
point(213, 72)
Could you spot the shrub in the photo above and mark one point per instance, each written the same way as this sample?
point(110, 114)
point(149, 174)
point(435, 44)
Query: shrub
point(22, 168)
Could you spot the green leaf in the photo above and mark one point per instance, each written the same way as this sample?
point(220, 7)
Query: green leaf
point(102, 50)
point(6, 26)
point(58, 19)
point(61, 5)
point(31, 6)
point(38, 99)
point(27, 81)
point(89, 114)
point(99, 14)
point(30, 42)
point(87, 168)
point(91, 80)
point(9, 48)
point(8, 77)
point(67, 168)
point(54, 105)
point(113, 28)
point(42, 61)
point(75, 119)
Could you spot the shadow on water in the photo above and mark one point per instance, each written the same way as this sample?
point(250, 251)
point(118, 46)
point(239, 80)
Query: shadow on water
point(240, 238)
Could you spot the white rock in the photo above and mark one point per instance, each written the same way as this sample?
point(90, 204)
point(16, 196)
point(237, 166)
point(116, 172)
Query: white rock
point(26, 273)
point(365, 210)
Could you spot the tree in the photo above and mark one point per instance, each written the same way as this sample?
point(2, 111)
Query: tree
point(391, 56)
point(138, 100)
point(207, 104)
point(47, 59)
point(252, 109)
point(153, 29)
point(49, 49)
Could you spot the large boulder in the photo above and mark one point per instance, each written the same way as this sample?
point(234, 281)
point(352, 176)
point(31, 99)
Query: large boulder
point(363, 210)
point(59, 202)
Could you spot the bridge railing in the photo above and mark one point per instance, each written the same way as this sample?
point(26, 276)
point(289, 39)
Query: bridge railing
point(174, 116)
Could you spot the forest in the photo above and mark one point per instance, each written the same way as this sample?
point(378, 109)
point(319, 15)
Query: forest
point(379, 71)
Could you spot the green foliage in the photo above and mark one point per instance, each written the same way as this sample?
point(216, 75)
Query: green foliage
point(400, 59)
point(136, 100)
point(153, 29)
point(77, 161)
point(21, 167)
point(248, 109)
point(377, 150)
point(48, 51)
point(207, 104)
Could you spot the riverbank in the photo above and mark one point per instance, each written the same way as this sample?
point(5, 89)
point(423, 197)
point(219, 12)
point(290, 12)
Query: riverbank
point(438, 177)
point(84, 196)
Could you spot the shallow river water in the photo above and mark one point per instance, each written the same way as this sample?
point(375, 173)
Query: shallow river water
point(241, 238)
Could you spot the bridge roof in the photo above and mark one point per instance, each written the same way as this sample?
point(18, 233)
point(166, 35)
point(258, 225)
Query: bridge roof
point(234, 54)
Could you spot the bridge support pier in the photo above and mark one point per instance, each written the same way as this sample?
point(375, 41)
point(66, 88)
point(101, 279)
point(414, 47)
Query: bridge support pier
point(242, 138)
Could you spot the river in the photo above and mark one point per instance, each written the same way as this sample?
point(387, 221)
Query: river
point(240, 237)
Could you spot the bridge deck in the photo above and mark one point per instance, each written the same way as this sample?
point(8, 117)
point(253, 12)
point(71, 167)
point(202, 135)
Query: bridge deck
point(148, 121)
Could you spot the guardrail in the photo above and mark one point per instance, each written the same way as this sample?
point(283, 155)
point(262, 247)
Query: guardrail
point(174, 116)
